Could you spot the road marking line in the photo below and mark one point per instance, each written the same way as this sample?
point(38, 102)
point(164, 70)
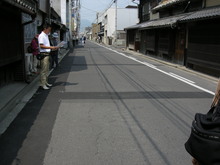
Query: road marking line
point(182, 78)
point(132, 58)
point(169, 74)
point(149, 65)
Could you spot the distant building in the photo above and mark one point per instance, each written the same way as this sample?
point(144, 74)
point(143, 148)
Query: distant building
point(107, 23)
point(88, 32)
point(95, 31)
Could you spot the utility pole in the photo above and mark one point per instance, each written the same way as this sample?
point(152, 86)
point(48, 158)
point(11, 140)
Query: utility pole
point(116, 20)
point(79, 15)
point(76, 19)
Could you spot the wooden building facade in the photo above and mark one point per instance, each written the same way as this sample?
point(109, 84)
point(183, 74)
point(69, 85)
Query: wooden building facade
point(12, 62)
point(186, 32)
point(21, 21)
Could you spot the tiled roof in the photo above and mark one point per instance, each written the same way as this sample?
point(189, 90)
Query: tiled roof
point(134, 26)
point(27, 6)
point(167, 3)
point(171, 21)
point(202, 14)
point(163, 22)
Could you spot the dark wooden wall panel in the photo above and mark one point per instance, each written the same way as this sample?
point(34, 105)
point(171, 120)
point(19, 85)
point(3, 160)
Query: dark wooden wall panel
point(204, 44)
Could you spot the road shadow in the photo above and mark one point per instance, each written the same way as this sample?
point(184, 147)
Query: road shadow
point(12, 140)
point(79, 64)
point(150, 95)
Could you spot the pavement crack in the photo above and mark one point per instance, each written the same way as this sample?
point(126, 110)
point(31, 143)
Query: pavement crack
point(97, 142)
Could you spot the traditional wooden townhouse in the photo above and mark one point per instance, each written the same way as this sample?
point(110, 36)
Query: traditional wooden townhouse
point(181, 31)
point(21, 21)
point(12, 58)
point(202, 48)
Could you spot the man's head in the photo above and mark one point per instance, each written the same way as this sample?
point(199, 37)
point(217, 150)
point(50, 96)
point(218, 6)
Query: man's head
point(47, 29)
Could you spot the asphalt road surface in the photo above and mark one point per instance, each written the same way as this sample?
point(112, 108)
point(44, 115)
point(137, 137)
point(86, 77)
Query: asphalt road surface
point(108, 108)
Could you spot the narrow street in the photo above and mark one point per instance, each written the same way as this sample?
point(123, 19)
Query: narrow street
point(108, 108)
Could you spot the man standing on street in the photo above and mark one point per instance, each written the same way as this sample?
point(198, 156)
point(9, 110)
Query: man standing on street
point(45, 49)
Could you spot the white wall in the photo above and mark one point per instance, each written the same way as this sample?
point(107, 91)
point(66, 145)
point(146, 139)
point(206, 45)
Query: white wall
point(60, 7)
point(110, 23)
point(125, 17)
point(101, 17)
point(63, 11)
point(56, 5)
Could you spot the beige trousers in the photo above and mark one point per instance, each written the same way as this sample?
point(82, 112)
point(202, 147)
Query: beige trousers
point(44, 71)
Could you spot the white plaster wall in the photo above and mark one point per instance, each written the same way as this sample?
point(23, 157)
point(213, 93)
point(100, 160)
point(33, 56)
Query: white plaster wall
point(56, 5)
point(126, 17)
point(110, 22)
point(63, 12)
point(101, 17)
point(60, 7)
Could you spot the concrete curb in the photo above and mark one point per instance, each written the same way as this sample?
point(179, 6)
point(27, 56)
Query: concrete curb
point(10, 111)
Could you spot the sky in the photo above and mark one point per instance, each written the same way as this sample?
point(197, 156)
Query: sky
point(89, 8)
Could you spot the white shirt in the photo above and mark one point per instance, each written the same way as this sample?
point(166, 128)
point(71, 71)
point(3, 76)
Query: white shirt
point(43, 39)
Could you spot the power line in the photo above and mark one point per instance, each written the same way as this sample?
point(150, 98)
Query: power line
point(89, 9)
point(103, 12)
point(110, 5)
point(101, 2)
